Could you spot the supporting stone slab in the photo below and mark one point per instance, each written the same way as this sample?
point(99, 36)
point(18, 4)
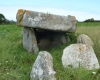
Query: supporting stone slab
point(46, 21)
point(29, 40)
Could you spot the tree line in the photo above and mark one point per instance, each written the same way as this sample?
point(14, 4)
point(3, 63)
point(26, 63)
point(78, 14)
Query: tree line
point(91, 20)
point(3, 20)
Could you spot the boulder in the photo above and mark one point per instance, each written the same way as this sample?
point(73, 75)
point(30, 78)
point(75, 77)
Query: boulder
point(43, 67)
point(46, 21)
point(80, 55)
point(84, 39)
point(29, 40)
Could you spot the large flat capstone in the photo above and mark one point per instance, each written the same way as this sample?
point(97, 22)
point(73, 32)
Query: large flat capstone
point(46, 21)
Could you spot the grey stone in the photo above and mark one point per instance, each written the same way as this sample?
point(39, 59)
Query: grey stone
point(46, 21)
point(84, 39)
point(60, 38)
point(43, 67)
point(68, 39)
point(29, 40)
point(80, 55)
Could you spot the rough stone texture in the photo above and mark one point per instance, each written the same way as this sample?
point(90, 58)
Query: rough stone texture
point(29, 40)
point(43, 67)
point(60, 38)
point(82, 55)
point(84, 39)
point(46, 21)
point(68, 38)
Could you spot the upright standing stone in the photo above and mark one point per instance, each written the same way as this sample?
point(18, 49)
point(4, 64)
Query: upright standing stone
point(84, 39)
point(77, 55)
point(43, 67)
point(46, 21)
point(29, 40)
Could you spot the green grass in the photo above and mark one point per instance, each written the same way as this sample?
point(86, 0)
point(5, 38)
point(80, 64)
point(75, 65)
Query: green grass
point(16, 63)
point(89, 24)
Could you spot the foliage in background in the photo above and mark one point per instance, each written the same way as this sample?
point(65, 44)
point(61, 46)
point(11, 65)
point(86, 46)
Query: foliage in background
point(16, 63)
point(91, 20)
point(2, 18)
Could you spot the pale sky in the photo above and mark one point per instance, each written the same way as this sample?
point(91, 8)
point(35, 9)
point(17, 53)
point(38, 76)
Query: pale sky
point(81, 9)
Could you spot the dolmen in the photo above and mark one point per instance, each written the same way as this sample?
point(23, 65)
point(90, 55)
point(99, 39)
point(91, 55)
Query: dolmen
point(44, 30)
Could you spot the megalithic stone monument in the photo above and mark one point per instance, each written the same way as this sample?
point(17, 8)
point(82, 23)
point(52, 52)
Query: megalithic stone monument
point(38, 20)
point(46, 21)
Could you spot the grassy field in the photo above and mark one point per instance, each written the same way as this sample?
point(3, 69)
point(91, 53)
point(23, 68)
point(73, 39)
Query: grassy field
point(88, 24)
point(16, 63)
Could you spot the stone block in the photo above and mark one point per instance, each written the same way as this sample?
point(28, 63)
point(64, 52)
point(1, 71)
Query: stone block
point(46, 21)
point(84, 39)
point(29, 40)
point(80, 55)
point(43, 67)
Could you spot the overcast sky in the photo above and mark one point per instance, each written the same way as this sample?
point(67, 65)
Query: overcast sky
point(81, 9)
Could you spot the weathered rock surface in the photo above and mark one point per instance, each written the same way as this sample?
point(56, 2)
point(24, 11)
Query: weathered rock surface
point(77, 55)
point(43, 67)
point(29, 40)
point(46, 21)
point(84, 39)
